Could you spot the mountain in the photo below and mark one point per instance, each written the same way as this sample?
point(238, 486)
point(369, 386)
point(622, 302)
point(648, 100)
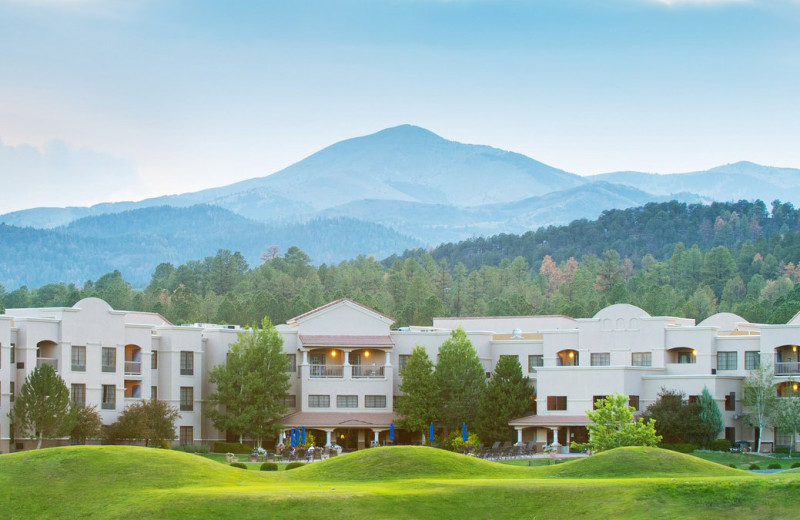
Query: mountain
point(738, 181)
point(135, 242)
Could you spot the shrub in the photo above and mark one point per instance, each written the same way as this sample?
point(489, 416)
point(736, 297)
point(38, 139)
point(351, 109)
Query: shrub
point(774, 465)
point(455, 442)
point(782, 450)
point(269, 466)
point(796, 465)
point(293, 465)
point(732, 465)
point(191, 448)
point(231, 447)
point(720, 445)
point(680, 447)
point(240, 465)
point(754, 466)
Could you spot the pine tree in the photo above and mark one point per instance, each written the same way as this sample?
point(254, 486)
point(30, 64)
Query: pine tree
point(418, 404)
point(507, 395)
point(461, 380)
point(710, 416)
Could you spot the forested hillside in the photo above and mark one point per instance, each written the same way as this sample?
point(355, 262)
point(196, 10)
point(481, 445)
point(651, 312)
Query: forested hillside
point(670, 259)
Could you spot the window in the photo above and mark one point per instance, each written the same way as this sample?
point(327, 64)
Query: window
point(319, 401)
point(536, 360)
point(752, 360)
point(187, 363)
point(730, 402)
point(403, 361)
point(292, 362)
point(375, 401)
point(783, 438)
point(556, 402)
point(595, 400)
point(692, 399)
point(730, 434)
point(11, 389)
point(290, 401)
point(686, 357)
point(396, 400)
point(187, 435)
point(154, 360)
point(109, 397)
point(78, 395)
point(154, 393)
point(642, 359)
point(633, 402)
point(78, 359)
point(726, 361)
point(109, 359)
point(13, 355)
point(346, 401)
point(187, 398)
point(600, 359)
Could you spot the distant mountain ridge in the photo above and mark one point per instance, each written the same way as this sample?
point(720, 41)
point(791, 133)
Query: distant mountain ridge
point(377, 194)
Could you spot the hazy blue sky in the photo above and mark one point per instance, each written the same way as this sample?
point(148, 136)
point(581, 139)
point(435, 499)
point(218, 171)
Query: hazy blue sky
point(126, 99)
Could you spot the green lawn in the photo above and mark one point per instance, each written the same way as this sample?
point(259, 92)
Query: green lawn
point(743, 460)
point(395, 482)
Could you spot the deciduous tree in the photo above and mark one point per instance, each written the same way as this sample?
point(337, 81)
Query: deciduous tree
point(42, 407)
point(759, 397)
point(613, 425)
point(150, 421)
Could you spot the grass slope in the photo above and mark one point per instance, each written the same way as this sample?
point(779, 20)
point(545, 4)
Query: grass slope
point(400, 482)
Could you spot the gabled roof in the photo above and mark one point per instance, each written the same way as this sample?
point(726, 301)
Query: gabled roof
point(339, 302)
point(550, 420)
point(340, 419)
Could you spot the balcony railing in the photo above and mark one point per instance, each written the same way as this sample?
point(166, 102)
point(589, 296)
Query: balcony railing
point(53, 362)
point(787, 368)
point(323, 371)
point(133, 368)
point(368, 371)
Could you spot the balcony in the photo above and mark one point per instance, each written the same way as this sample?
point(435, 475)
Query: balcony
point(133, 368)
point(326, 371)
point(787, 368)
point(53, 362)
point(362, 371)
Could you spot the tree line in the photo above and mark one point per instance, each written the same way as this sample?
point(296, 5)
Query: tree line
point(736, 257)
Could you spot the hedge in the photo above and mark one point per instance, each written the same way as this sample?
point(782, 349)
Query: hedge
point(293, 465)
point(231, 447)
point(269, 466)
point(240, 465)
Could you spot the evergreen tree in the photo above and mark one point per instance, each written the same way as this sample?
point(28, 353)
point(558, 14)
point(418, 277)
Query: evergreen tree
point(42, 406)
point(251, 385)
point(508, 395)
point(418, 404)
point(710, 416)
point(461, 380)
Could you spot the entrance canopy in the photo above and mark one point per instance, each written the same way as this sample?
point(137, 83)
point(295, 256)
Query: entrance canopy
point(549, 421)
point(340, 420)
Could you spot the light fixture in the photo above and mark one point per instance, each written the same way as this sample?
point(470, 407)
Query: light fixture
point(794, 387)
point(333, 353)
point(341, 436)
point(366, 353)
point(794, 348)
point(572, 354)
point(694, 352)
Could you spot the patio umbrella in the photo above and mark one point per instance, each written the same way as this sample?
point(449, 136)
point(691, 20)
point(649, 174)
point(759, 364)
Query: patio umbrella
point(430, 434)
point(391, 432)
point(303, 435)
point(464, 432)
point(291, 437)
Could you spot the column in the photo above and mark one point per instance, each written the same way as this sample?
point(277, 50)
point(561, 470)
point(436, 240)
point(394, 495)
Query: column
point(519, 434)
point(388, 355)
point(555, 436)
point(305, 357)
point(328, 433)
point(346, 360)
point(375, 436)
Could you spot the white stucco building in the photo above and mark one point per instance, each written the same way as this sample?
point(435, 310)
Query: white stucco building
point(345, 357)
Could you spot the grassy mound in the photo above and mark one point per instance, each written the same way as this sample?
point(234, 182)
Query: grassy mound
point(639, 462)
point(405, 462)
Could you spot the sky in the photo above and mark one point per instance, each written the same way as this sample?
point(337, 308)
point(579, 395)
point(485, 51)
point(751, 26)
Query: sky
point(108, 100)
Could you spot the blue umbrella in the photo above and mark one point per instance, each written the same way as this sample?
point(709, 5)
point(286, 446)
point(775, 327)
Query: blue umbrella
point(430, 434)
point(291, 437)
point(391, 432)
point(464, 432)
point(303, 435)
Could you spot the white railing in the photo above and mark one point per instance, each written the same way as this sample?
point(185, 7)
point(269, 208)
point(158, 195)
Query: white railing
point(53, 362)
point(133, 368)
point(368, 371)
point(323, 371)
point(786, 368)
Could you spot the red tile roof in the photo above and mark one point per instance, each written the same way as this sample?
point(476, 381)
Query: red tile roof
point(345, 341)
point(550, 420)
point(340, 419)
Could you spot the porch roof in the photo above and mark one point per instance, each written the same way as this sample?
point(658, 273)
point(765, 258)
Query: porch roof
point(340, 419)
point(345, 341)
point(546, 421)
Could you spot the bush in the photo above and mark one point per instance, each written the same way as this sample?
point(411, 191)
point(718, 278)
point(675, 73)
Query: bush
point(240, 465)
point(191, 448)
point(774, 465)
point(455, 442)
point(754, 466)
point(680, 447)
point(796, 465)
point(269, 466)
point(231, 447)
point(720, 445)
point(732, 465)
point(782, 450)
point(293, 465)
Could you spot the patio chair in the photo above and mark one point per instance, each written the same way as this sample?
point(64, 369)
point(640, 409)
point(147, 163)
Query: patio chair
point(494, 451)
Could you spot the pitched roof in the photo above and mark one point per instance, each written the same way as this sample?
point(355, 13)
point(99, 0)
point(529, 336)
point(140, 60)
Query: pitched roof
point(345, 341)
point(340, 419)
point(550, 420)
point(334, 303)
